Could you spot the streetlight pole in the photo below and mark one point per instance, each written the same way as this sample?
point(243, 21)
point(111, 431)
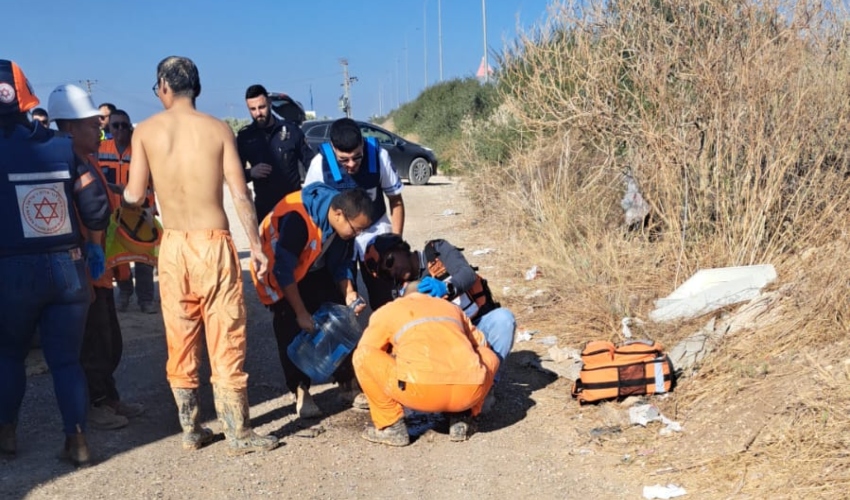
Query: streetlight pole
point(484, 20)
point(440, 36)
point(406, 68)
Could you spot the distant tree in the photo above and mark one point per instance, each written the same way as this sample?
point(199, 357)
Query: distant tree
point(236, 123)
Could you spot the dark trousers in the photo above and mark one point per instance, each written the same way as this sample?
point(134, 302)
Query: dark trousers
point(380, 291)
point(102, 347)
point(316, 288)
point(143, 273)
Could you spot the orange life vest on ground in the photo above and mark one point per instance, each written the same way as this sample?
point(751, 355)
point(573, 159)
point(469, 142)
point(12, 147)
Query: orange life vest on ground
point(269, 290)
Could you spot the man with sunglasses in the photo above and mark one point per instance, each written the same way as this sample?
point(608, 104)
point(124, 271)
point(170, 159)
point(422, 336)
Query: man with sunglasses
point(445, 272)
point(40, 115)
point(273, 147)
point(349, 161)
point(114, 157)
point(106, 110)
point(307, 240)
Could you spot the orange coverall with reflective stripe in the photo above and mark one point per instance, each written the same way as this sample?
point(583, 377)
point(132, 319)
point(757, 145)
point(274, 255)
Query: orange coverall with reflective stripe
point(439, 363)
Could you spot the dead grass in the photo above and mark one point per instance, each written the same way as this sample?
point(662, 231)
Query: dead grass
point(733, 118)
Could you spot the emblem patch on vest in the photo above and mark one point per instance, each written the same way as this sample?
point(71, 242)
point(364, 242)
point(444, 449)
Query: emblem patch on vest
point(43, 209)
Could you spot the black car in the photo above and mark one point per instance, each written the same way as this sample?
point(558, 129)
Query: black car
point(412, 162)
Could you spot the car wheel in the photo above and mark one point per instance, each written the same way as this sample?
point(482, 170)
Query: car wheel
point(420, 172)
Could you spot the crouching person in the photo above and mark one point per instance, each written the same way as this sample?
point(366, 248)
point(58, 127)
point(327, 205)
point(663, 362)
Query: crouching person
point(439, 363)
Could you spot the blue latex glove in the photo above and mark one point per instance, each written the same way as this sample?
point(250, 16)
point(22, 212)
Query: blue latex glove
point(433, 287)
point(95, 260)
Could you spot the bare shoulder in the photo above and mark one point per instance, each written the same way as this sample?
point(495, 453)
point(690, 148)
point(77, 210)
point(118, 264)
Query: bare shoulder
point(148, 124)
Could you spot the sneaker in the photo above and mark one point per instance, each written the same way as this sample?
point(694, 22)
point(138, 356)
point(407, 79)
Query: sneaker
point(360, 402)
point(394, 435)
point(305, 407)
point(148, 307)
point(128, 410)
point(76, 450)
point(104, 417)
point(461, 426)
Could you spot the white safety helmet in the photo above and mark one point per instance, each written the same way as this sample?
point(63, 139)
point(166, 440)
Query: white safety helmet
point(69, 102)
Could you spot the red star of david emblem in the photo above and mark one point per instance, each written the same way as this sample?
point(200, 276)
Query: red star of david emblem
point(45, 211)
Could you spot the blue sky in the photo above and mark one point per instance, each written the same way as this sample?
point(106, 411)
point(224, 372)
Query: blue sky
point(286, 45)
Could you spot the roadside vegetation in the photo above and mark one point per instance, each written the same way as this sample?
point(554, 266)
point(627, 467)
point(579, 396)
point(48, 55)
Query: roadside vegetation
point(732, 119)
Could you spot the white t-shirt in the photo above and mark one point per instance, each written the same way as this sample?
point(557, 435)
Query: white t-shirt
point(390, 186)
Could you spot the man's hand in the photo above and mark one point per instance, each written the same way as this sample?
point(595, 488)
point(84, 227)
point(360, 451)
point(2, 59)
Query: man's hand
point(305, 322)
point(433, 287)
point(95, 260)
point(260, 264)
point(260, 171)
point(352, 299)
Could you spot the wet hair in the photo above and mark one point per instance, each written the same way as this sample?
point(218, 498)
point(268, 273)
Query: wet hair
point(346, 135)
point(39, 112)
point(181, 74)
point(255, 91)
point(353, 202)
point(111, 107)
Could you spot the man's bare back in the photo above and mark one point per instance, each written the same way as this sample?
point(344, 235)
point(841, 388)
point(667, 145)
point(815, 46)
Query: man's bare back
point(189, 155)
point(185, 150)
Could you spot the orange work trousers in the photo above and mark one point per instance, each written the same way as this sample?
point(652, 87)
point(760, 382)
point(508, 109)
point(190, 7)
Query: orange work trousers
point(200, 286)
point(377, 375)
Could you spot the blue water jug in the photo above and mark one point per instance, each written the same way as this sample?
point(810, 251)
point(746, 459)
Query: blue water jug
point(320, 353)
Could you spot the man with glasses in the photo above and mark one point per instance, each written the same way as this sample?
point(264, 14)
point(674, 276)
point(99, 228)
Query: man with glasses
point(106, 110)
point(273, 147)
point(191, 156)
point(114, 158)
point(307, 240)
point(349, 161)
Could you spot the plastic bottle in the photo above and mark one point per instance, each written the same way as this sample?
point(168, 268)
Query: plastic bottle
point(320, 353)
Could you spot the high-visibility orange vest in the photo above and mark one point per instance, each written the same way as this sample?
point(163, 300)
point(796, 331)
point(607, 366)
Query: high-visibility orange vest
point(116, 168)
point(269, 290)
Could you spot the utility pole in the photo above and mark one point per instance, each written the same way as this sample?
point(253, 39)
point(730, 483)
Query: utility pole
point(407, 67)
point(425, 38)
point(380, 99)
point(440, 35)
point(345, 100)
point(397, 99)
point(486, 62)
point(88, 83)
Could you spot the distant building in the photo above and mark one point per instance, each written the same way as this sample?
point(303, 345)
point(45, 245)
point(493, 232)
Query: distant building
point(485, 71)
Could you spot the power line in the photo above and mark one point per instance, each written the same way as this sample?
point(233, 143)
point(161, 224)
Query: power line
point(88, 83)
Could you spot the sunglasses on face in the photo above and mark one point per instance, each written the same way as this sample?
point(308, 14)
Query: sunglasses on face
point(120, 125)
point(104, 117)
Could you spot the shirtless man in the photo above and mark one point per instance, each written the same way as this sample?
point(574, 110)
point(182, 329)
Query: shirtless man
point(189, 156)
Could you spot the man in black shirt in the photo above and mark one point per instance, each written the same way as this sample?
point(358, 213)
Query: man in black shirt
point(272, 147)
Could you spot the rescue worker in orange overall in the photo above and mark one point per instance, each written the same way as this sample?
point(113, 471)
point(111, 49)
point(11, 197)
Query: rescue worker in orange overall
point(114, 156)
point(439, 363)
point(75, 114)
point(191, 157)
point(307, 239)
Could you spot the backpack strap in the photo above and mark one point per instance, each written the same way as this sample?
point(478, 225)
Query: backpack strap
point(373, 152)
point(329, 155)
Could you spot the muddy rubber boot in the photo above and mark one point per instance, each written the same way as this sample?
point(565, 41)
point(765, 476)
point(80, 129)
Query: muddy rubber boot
point(232, 408)
point(394, 435)
point(461, 426)
point(77, 450)
point(8, 439)
point(305, 407)
point(194, 436)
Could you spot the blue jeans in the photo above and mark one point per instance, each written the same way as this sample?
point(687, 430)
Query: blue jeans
point(498, 327)
point(50, 291)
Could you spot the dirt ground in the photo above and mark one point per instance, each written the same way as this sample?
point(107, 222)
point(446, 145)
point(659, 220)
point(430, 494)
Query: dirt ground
point(534, 444)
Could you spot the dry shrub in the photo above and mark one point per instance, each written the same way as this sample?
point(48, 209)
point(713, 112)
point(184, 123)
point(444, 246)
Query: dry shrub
point(732, 116)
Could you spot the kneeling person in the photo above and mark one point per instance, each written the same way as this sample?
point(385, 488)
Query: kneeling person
point(439, 363)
